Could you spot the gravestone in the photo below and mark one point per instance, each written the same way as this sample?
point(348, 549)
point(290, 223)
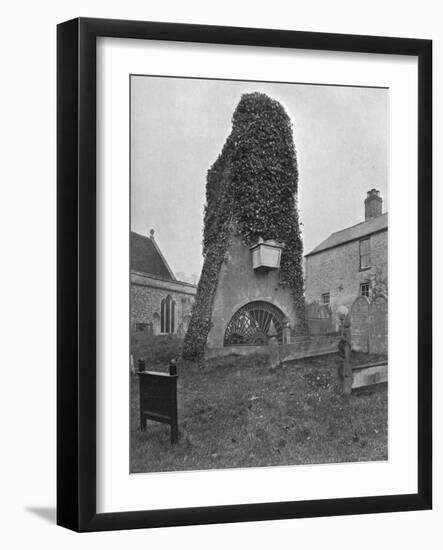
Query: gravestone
point(319, 318)
point(286, 331)
point(360, 324)
point(378, 325)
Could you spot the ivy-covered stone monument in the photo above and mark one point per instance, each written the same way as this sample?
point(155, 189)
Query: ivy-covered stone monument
point(252, 276)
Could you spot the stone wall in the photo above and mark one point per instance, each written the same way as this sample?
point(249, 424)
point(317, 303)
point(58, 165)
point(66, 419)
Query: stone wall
point(147, 294)
point(301, 348)
point(239, 284)
point(337, 271)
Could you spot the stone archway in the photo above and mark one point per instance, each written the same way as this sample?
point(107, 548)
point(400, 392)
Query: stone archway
point(249, 325)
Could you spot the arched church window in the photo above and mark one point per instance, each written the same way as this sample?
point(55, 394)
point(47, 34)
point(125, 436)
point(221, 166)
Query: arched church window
point(172, 316)
point(167, 318)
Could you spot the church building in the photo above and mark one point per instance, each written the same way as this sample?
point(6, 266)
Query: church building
point(160, 303)
point(349, 263)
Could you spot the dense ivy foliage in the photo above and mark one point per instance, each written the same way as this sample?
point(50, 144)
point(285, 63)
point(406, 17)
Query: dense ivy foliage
point(251, 190)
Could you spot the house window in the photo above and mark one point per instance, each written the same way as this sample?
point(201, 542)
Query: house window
point(167, 318)
point(326, 299)
point(365, 254)
point(364, 289)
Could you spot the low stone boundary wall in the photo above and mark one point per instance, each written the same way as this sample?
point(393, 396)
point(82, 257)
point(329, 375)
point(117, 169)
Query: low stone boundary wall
point(303, 347)
point(211, 353)
point(313, 346)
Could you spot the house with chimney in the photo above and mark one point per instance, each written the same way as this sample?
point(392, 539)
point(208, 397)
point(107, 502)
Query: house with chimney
point(349, 263)
point(160, 303)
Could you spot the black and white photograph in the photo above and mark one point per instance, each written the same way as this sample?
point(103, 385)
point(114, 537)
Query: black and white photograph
point(221, 288)
point(258, 274)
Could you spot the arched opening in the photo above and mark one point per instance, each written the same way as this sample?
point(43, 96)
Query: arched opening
point(167, 318)
point(249, 326)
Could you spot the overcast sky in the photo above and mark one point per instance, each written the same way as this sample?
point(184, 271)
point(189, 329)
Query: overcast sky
point(178, 127)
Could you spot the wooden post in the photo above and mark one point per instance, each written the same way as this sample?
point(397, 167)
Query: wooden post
point(173, 367)
point(141, 365)
point(344, 350)
point(174, 415)
point(274, 352)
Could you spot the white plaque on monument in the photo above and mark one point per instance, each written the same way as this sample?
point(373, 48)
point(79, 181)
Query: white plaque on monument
point(266, 254)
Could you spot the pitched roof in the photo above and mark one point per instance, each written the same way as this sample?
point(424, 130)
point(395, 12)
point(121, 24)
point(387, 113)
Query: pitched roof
point(146, 257)
point(358, 231)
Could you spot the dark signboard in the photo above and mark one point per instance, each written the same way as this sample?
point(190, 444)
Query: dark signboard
point(158, 398)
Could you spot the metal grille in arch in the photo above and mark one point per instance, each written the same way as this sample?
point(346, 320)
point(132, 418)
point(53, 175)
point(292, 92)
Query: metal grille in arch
point(249, 326)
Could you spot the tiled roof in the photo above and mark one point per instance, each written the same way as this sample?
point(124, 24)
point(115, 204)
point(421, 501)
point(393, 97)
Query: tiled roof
point(147, 258)
point(373, 225)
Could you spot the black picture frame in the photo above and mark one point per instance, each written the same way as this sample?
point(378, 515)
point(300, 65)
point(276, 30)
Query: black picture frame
point(76, 264)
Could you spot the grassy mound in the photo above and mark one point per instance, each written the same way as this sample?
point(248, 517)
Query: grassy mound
point(236, 413)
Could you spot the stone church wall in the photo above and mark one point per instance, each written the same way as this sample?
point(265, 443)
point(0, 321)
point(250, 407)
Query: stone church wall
point(147, 294)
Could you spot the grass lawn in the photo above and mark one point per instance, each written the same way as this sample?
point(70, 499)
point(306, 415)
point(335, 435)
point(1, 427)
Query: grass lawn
point(233, 412)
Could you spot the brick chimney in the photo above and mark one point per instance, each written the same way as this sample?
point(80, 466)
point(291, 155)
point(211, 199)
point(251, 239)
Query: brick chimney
point(373, 204)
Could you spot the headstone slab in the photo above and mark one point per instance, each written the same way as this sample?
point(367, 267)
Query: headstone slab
point(360, 324)
point(378, 325)
point(319, 318)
